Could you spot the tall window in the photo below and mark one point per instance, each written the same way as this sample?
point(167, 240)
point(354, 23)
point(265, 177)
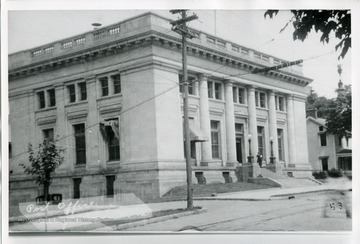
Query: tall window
point(113, 144)
point(51, 95)
point(83, 93)
point(48, 134)
point(191, 87)
point(280, 103)
point(260, 99)
point(218, 91)
point(214, 90)
point(239, 95)
point(215, 138)
point(210, 89)
point(109, 129)
point(80, 143)
point(41, 99)
point(104, 86)
point(117, 83)
point(235, 98)
point(261, 141)
point(323, 139)
point(280, 133)
point(71, 93)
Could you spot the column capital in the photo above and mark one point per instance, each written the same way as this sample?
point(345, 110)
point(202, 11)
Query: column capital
point(251, 87)
point(203, 76)
point(271, 93)
point(290, 96)
point(228, 81)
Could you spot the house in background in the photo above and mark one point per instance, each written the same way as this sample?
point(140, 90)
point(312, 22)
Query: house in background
point(326, 150)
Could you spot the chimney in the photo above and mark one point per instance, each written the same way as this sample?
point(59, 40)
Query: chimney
point(312, 113)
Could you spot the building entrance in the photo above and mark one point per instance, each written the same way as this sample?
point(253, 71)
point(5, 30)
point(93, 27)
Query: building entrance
point(239, 150)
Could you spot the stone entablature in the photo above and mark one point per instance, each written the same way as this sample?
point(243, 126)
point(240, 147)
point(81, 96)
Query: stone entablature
point(91, 45)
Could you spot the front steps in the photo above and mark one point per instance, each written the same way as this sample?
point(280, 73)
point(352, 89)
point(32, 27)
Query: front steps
point(286, 181)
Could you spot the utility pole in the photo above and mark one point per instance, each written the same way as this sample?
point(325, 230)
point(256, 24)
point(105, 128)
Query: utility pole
point(179, 26)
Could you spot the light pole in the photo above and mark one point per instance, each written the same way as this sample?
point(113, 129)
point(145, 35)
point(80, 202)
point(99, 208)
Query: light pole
point(272, 158)
point(249, 157)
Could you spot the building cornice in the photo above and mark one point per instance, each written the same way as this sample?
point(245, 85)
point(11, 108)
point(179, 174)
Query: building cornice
point(145, 39)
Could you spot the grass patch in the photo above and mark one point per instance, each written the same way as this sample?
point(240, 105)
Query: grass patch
point(208, 189)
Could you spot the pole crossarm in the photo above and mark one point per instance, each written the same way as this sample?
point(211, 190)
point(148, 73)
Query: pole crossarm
point(184, 20)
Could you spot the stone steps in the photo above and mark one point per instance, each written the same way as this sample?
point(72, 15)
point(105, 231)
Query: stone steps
point(285, 181)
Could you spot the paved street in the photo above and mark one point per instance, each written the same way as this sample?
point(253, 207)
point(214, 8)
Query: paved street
point(318, 208)
point(304, 213)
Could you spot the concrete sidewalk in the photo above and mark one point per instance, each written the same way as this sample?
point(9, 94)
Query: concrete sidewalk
point(99, 219)
point(341, 184)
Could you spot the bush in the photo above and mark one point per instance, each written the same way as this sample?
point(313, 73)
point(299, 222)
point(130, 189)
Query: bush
point(319, 175)
point(334, 173)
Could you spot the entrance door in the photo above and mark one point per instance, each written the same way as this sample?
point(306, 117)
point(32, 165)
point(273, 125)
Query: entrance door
point(239, 153)
point(77, 182)
point(324, 162)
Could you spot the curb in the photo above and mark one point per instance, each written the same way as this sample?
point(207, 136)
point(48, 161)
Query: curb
point(149, 221)
point(232, 199)
point(308, 192)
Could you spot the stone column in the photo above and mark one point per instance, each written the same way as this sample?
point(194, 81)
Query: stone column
point(252, 121)
point(206, 152)
point(291, 129)
point(273, 124)
point(230, 123)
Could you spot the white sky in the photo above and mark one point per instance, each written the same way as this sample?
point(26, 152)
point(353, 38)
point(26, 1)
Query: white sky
point(247, 27)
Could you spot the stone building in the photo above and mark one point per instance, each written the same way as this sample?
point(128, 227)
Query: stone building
point(112, 96)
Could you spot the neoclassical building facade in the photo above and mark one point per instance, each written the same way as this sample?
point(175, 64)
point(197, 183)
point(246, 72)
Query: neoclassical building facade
point(112, 97)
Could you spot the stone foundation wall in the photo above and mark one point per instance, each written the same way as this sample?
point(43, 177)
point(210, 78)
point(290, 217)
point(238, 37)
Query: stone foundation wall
point(264, 181)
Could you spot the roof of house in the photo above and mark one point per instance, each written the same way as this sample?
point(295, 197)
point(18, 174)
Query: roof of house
point(319, 121)
point(343, 151)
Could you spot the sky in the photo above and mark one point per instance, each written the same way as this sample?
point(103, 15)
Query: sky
point(247, 27)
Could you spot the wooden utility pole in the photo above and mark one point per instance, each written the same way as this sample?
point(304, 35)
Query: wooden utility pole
point(179, 26)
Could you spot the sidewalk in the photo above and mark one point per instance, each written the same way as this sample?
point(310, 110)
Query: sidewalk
point(104, 219)
point(340, 184)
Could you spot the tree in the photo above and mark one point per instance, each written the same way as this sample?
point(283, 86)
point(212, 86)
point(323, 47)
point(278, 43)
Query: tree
point(43, 162)
point(321, 104)
point(339, 121)
point(325, 21)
